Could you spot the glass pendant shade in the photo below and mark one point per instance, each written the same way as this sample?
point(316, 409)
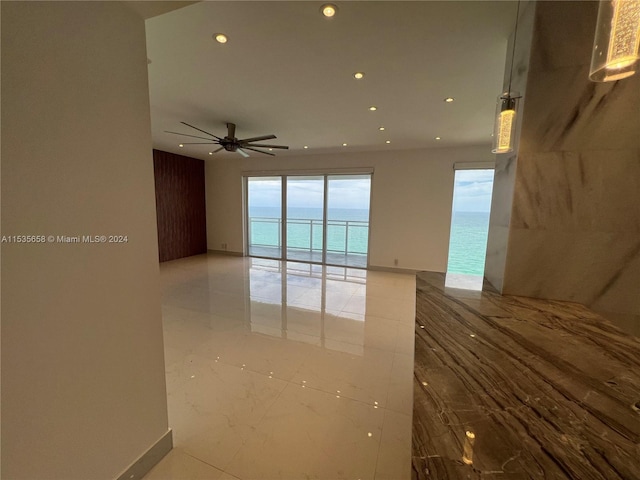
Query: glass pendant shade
point(504, 128)
point(616, 45)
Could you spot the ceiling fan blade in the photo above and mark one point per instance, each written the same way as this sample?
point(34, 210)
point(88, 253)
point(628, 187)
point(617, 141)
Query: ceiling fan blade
point(259, 151)
point(216, 151)
point(200, 130)
point(242, 152)
point(267, 146)
point(200, 143)
point(257, 139)
point(231, 130)
point(186, 135)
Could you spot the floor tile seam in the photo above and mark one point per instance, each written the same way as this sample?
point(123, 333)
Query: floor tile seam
point(223, 468)
point(201, 460)
point(217, 360)
point(384, 422)
point(393, 362)
point(341, 395)
point(262, 374)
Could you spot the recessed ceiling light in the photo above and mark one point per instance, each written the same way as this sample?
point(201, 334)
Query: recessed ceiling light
point(271, 149)
point(381, 129)
point(388, 141)
point(220, 37)
point(328, 10)
point(449, 99)
point(437, 138)
point(344, 144)
point(181, 145)
point(373, 108)
point(306, 146)
point(210, 153)
point(358, 75)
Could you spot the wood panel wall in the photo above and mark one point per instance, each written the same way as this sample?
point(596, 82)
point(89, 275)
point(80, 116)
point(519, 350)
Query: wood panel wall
point(180, 205)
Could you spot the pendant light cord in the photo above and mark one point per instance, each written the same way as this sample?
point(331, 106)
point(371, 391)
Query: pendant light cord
point(513, 50)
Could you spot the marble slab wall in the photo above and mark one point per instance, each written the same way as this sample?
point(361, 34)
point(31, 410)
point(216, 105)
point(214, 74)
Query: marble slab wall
point(505, 170)
point(574, 231)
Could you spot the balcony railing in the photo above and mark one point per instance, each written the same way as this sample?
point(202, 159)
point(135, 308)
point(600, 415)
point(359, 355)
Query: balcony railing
point(306, 235)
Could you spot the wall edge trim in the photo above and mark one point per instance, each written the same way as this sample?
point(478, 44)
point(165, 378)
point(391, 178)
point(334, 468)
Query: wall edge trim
point(150, 458)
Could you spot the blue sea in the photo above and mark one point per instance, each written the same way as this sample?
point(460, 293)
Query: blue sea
point(468, 242)
point(466, 251)
point(301, 233)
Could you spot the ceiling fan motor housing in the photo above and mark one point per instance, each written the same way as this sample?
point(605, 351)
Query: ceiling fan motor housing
point(230, 145)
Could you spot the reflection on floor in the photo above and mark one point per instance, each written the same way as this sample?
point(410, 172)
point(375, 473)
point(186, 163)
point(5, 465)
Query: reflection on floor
point(286, 370)
point(517, 388)
point(357, 260)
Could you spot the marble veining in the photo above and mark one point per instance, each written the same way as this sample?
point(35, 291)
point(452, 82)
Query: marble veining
point(565, 224)
point(516, 75)
point(286, 370)
point(513, 387)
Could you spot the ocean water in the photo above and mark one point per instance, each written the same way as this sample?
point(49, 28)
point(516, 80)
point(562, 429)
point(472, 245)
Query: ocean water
point(467, 246)
point(305, 228)
point(468, 242)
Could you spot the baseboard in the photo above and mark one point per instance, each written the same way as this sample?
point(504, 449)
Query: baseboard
point(149, 459)
point(227, 252)
point(392, 269)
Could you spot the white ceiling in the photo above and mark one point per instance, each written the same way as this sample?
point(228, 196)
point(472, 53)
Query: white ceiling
point(288, 70)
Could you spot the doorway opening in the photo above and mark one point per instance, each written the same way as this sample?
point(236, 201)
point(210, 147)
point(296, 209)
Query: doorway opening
point(472, 192)
point(320, 219)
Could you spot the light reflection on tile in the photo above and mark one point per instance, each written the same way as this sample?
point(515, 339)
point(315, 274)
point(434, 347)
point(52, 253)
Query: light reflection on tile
point(300, 356)
point(463, 282)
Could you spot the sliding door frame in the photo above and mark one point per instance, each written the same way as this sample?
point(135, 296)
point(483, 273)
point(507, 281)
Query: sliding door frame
point(284, 174)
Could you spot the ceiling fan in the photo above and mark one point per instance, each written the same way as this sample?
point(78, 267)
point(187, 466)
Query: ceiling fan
point(230, 143)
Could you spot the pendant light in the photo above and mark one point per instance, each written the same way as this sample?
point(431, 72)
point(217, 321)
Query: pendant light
point(505, 122)
point(617, 41)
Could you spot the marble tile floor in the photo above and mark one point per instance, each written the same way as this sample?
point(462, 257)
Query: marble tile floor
point(517, 388)
point(285, 370)
point(356, 260)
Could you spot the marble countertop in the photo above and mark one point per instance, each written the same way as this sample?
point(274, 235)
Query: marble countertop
point(515, 388)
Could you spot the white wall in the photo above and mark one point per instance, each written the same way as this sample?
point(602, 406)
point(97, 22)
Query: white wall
point(411, 201)
point(83, 388)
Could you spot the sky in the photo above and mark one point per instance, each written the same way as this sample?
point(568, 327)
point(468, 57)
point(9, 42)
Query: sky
point(472, 191)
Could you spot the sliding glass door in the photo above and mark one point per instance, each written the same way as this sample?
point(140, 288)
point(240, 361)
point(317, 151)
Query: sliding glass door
point(348, 219)
point(264, 214)
point(326, 218)
point(305, 218)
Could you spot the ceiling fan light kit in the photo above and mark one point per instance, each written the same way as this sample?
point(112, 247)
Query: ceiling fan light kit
point(230, 142)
